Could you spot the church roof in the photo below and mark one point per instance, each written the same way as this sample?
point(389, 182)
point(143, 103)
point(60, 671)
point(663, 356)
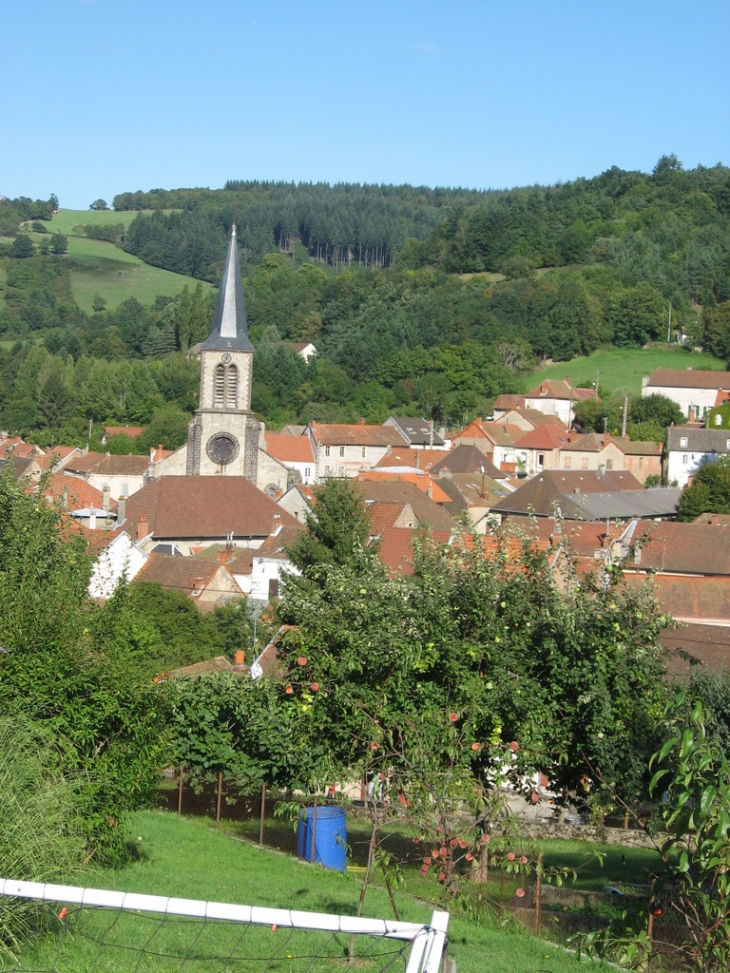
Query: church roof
point(229, 330)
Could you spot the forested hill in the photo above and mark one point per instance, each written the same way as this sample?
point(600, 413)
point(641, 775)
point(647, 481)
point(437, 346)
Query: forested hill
point(345, 224)
point(419, 301)
point(670, 228)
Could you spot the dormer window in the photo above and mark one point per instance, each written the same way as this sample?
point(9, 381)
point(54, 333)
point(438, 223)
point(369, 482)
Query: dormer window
point(683, 442)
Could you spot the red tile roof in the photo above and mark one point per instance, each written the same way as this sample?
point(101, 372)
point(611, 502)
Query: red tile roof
point(546, 436)
point(206, 507)
point(78, 493)
point(683, 548)
point(688, 378)
point(396, 547)
point(110, 465)
point(355, 435)
point(289, 449)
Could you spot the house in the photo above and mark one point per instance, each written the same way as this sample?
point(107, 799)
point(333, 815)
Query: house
point(588, 495)
point(120, 475)
point(119, 562)
point(694, 391)
point(507, 402)
point(557, 397)
point(205, 580)
point(344, 450)
point(396, 549)
point(418, 433)
point(495, 439)
point(689, 448)
point(305, 349)
point(194, 512)
point(594, 451)
point(271, 562)
point(283, 461)
point(427, 513)
point(415, 459)
point(539, 449)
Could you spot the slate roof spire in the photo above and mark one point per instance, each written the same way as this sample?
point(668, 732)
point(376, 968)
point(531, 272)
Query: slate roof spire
point(229, 330)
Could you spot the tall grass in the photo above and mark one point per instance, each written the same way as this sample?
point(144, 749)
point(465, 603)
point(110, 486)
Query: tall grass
point(40, 834)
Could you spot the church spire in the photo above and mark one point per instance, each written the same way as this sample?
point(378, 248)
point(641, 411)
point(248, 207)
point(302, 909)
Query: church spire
point(229, 331)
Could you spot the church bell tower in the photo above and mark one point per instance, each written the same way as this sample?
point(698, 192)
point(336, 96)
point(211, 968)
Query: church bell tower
point(224, 435)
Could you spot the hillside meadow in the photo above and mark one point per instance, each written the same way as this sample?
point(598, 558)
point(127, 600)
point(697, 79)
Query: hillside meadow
point(99, 267)
point(620, 370)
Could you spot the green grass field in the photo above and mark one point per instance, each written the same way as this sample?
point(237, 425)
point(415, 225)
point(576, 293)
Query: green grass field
point(187, 858)
point(98, 267)
point(66, 220)
point(620, 370)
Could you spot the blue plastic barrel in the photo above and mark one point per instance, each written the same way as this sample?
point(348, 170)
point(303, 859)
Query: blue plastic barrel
point(330, 836)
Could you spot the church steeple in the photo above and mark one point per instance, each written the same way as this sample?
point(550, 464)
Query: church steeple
point(223, 437)
point(229, 330)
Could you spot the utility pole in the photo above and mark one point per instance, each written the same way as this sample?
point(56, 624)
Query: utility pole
point(669, 325)
point(626, 412)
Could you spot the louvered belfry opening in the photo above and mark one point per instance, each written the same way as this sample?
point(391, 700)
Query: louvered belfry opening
point(219, 386)
point(232, 387)
point(225, 387)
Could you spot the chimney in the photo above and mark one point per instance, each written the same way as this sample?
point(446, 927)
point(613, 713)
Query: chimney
point(92, 519)
point(105, 498)
point(223, 556)
point(121, 510)
point(239, 657)
point(142, 528)
point(152, 454)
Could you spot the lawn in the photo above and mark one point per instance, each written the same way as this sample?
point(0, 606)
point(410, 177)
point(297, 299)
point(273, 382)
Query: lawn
point(188, 858)
point(620, 370)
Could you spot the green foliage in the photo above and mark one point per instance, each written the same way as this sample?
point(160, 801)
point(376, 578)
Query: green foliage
point(573, 677)
point(338, 528)
point(22, 246)
point(692, 776)
point(70, 668)
point(709, 491)
point(226, 724)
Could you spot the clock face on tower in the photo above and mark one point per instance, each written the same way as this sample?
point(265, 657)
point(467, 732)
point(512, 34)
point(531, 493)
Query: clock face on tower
point(222, 448)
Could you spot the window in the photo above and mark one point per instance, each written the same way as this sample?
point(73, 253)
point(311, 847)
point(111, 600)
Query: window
point(685, 459)
point(566, 462)
point(307, 472)
point(683, 442)
point(364, 452)
point(342, 450)
point(718, 419)
point(584, 463)
point(326, 450)
point(609, 464)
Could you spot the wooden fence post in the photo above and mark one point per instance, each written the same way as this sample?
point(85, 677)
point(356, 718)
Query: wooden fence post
point(314, 830)
point(180, 790)
point(262, 814)
point(538, 893)
point(218, 807)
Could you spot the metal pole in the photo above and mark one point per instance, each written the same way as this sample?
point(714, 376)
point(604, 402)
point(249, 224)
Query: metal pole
point(180, 790)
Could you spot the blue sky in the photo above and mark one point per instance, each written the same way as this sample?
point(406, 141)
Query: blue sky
point(108, 96)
